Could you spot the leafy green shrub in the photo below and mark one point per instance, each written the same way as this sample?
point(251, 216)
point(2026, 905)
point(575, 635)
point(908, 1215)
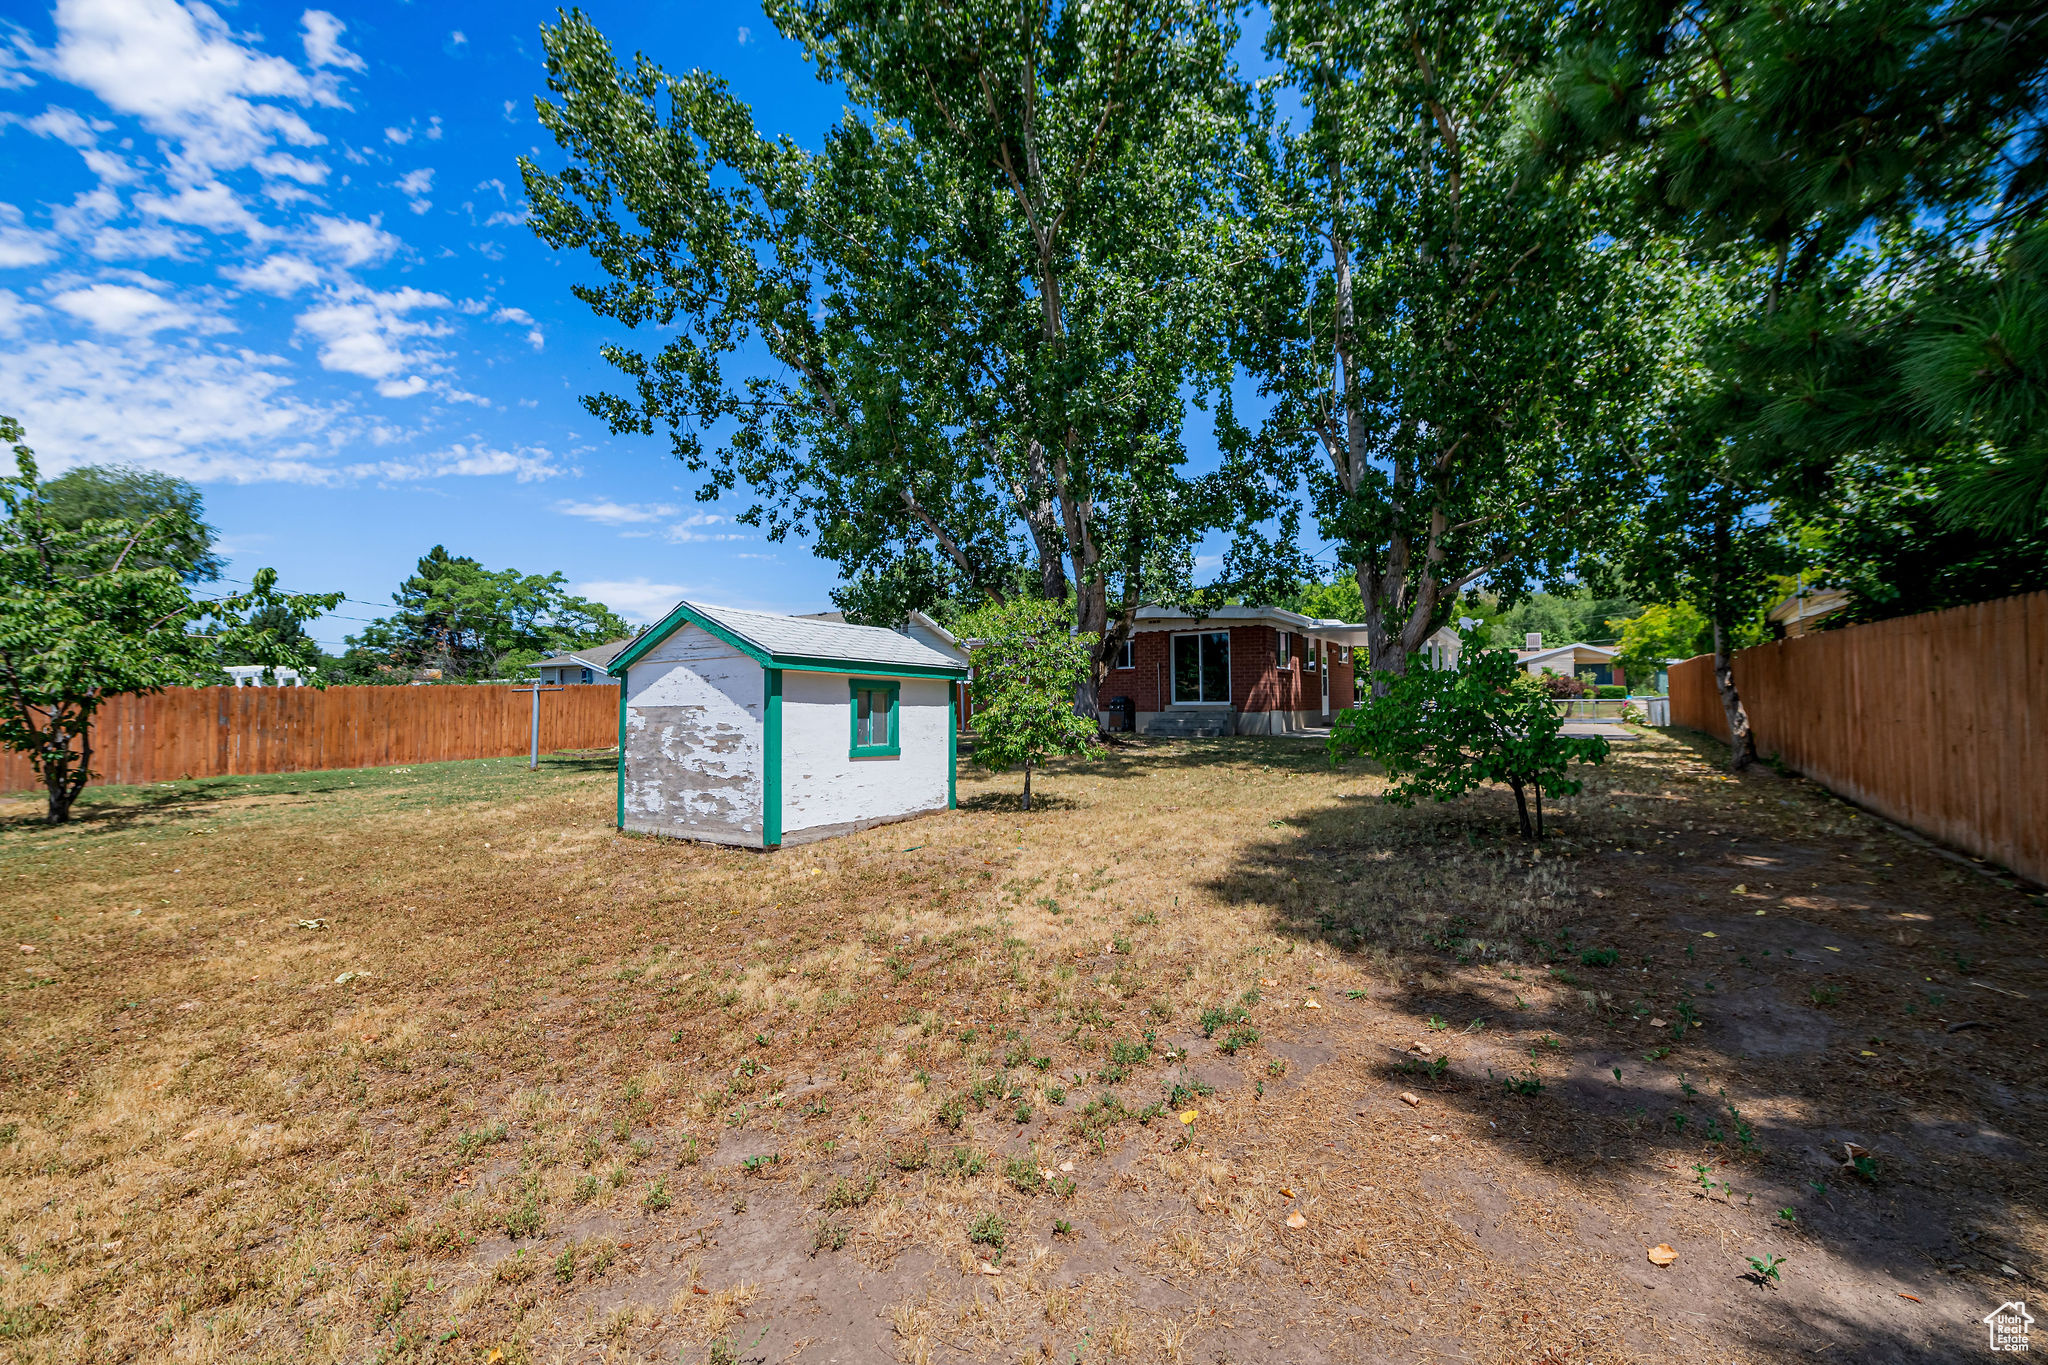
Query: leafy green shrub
point(1440, 733)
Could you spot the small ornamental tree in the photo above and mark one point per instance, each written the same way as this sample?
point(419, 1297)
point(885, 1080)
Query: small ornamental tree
point(1027, 663)
point(101, 608)
point(1440, 733)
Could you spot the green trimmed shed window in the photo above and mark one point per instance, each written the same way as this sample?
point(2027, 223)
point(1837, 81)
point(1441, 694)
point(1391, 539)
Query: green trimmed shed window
point(875, 733)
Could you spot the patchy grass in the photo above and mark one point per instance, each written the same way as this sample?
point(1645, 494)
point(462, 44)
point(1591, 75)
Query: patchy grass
point(421, 1063)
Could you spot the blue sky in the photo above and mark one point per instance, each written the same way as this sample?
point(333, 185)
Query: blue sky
point(281, 252)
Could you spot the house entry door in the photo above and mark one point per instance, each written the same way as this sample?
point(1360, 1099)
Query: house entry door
point(1325, 671)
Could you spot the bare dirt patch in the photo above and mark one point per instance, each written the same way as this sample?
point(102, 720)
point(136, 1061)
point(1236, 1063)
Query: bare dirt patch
point(430, 1064)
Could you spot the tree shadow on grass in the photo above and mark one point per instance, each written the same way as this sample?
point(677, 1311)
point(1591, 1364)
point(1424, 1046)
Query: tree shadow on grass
point(1012, 802)
point(1460, 921)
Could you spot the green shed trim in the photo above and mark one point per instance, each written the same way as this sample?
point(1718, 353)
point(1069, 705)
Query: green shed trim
point(952, 748)
point(771, 760)
point(622, 752)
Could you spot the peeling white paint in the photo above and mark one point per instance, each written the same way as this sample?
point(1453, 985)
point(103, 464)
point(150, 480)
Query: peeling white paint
point(694, 709)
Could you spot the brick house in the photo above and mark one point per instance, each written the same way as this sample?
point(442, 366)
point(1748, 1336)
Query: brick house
point(1236, 670)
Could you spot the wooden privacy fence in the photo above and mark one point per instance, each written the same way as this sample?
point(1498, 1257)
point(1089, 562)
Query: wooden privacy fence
point(1938, 721)
point(217, 731)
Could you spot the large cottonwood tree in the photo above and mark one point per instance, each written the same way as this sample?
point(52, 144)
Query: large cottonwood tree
point(984, 301)
point(1448, 332)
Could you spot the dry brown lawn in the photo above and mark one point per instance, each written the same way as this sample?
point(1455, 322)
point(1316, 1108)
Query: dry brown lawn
point(431, 1064)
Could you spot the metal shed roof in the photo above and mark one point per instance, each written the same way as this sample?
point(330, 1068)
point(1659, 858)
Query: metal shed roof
point(800, 642)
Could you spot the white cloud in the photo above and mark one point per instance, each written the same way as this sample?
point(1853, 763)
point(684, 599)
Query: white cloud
point(183, 73)
point(458, 37)
point(689, 531)
point(519, 317)
point(282, 275)
point(15, 312)
point(139, 243)
point(133, 310)
point(21, 244)
point(636, 599)
point(285, 166)
point(75, 131)
point(525, 464)
point(415, 185)
point(505, 218)
point(371, 334)
point(398, 136)
point(65, 125)
point(210, 205)
point(608, 513)
point(199, 414)
point(355, 242)
point(746, 35)
point(323, 41)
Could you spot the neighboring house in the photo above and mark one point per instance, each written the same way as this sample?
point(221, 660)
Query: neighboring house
point(1798, 613)
point(1235, 670)
point(758, 729)
point(252, 675)
point(1595, 663)
point(581, 666)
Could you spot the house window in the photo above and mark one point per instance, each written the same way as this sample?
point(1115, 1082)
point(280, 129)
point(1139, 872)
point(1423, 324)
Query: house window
point(1126, 655)
point(586, 675)
point(1283, 650)
point(1201, 669)
point(1308, 658)
point(875, 732)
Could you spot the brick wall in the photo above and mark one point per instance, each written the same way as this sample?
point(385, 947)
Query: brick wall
point(1255, 684)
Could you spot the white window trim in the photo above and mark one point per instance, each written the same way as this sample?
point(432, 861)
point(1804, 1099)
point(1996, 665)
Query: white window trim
point(1172, 698)
point(1128, 658)
point(1285, 645)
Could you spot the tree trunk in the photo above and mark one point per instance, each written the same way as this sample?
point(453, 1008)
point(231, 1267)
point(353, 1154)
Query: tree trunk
point(1539, 810)
point(1522, 808)
point(1741, 744)
point(61, 796)
point(1027, 784)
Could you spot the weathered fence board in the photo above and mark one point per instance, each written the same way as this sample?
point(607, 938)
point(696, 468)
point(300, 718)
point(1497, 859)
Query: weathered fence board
point(1937, 721)
point(216, 731)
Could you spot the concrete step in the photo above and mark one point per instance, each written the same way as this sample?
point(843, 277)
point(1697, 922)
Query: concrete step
point(1190, 724)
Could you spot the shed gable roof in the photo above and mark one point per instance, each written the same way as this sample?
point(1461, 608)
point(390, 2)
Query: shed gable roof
point(777, 641)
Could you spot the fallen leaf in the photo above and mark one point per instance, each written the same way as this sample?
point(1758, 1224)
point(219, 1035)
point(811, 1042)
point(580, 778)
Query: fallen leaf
point(1067, 1166)
point(699, 1289)
point(1310, 1005)
point(1286, 1193)
point(987, 1269)
point(1904, 1295)
point(1296, 1221)
point(1267, 981)
point(1710, 934)
point(1411, 1099)
point(1662, 1254)
point(1656, 1023)
point(1831, 947)
point(28, 947)
point(1045, 1172)
point(1190, 1115)
point(493, 1356)
point(1741, 890)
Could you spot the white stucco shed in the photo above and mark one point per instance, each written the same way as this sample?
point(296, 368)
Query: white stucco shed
point(757, 729)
